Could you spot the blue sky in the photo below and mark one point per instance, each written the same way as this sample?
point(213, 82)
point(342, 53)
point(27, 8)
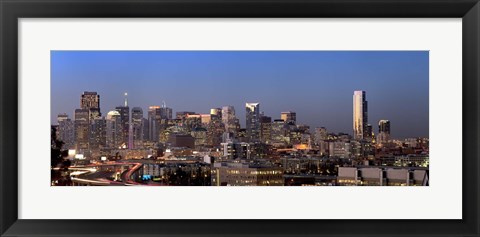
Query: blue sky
point(318, 85)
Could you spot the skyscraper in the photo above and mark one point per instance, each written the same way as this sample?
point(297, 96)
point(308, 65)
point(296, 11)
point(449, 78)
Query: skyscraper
point(137, 126)
point(146, 129)
point(229, 119)
point(114, 130)
point(265, 129)
point(125, 120)
point(66, 131)
point(279, 132)
point(165, 112)
point(215, 128)
point(91, 102)
point(253, 121)
point(360, 115)
point(82, 124)
point(154, 118)
point(289, 117)
point(98, 133)
point(383, 131)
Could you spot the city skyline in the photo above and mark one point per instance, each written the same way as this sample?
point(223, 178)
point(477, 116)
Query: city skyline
point(408, 114)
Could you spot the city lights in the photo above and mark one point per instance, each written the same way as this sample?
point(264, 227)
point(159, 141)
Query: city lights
point(248, 118)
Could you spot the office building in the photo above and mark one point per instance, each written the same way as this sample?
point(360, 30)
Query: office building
point(289, 117)
point(66, 131)
point(154, 119)
point(124, 112)
point(137, 127)
point(279, 132)
point(382, 176)
point(229, 119)
point(91, 102)
point(243, 174)
point(82, 123)
point(265, 129)
point(166, 113)
point(383, 131)
point(98, 136)
point(360, 115)
point(340, 149)
point(236, 150)
point(114, 130)
point(253, 121)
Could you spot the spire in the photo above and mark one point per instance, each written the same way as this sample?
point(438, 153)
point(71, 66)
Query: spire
point(126, 99)
point(164, 105)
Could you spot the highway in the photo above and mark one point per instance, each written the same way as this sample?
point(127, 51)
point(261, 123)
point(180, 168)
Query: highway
point(92, 175)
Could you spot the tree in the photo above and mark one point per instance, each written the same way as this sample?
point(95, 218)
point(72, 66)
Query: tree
point(60, 175)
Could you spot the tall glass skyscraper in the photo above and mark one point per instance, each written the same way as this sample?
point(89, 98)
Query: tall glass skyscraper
point(137, 126)
point(360, 115)
point(114, 129)
point(124, 112)
point(81, 129)
point(125, 120)
point(154, 118)
point(383, 131)
point(253, 121)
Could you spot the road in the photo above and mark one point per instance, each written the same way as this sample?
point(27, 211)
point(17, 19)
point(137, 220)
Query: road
point(91, 175)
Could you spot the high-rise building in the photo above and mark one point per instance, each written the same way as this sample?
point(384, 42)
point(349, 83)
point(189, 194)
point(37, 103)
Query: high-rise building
point(154, 119)
point(384, 126)
point(229, 119)
point(66, 131)
point(166, 113)
point(114, 130)
point(289, 117)
point(98, 133)
point(137, 127)
point(321, 134)
point(253, 121)
point(265, 129)
point(124, 112)
point(360, 115)
point(82, 124)
point(91, 102)
point(125, 121)
point(383, 131)
point(279, 132)
point(146, 129)
point(215, 128)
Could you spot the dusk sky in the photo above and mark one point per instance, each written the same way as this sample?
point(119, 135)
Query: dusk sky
point(317, 85)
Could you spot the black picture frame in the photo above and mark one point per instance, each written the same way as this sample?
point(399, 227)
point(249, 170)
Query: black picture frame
point(11, 11)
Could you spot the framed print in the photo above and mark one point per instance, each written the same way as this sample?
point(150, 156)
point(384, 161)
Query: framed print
point(239, 118)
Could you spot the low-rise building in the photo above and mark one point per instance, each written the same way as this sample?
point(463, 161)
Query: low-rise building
point(243, 174)
point(382, 176)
